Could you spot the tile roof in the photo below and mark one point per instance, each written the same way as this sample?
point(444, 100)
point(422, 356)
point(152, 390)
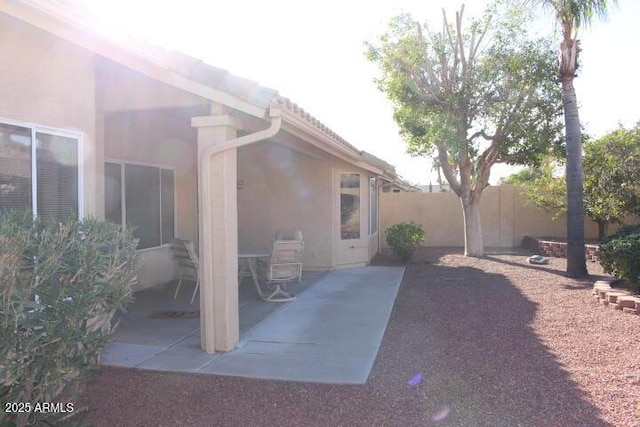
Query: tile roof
point(199, 71)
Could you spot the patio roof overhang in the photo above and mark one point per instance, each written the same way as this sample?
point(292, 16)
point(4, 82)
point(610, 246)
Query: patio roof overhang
point(228, 97)
point(192, 75)
point(302, 124)
point(172, 68)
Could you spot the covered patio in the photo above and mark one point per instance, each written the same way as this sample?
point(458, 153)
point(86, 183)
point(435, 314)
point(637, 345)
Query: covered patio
point(174, 148)
point(330, 333)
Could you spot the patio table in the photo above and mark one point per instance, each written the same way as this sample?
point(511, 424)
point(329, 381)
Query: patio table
point(248, 259)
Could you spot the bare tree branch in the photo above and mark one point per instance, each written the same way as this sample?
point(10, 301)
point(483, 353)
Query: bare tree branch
point(481, 133)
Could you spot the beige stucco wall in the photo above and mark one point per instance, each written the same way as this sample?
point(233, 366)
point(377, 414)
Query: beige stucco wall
point(50, 82)
point(283, 189)
point(506, 217)
point(159, 139)
point(122, 89)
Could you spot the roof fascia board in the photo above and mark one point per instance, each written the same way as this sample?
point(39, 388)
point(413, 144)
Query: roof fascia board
point(146, 63)
point(322, 144)
point(313, 131)
point(301, 128)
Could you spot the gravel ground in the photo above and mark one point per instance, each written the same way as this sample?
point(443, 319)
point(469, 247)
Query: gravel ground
point(471, 342)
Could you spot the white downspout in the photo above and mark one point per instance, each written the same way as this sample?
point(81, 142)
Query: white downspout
point(272, 130)
point(205, 178)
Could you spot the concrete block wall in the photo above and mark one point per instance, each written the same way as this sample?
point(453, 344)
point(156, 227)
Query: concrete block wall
point(507, 217)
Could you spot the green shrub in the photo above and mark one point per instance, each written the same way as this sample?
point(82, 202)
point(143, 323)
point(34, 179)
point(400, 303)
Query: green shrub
point(61, 285)
point(619, 254)
point(404, 238)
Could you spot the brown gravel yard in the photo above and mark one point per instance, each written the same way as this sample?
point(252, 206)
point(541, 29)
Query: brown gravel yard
point(470, 342)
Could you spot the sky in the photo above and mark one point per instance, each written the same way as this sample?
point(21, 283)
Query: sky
point(313, 53)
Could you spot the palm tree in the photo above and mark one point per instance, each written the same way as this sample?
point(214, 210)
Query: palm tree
point(570, 16)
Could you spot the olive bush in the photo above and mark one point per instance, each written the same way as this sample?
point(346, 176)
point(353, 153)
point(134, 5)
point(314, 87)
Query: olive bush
point(404, 238)
point(619, 254)
point(61, 285)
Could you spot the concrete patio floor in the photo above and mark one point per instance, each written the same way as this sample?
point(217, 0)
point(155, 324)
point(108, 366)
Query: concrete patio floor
point(330, 333)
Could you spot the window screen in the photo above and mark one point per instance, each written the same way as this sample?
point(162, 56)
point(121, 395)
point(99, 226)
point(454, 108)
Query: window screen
point(349, 206)
point(15, 168)
point(167, 207)
point(373, 206)
point(142, 203)
point(51, 189)
point(148, 193)
point(113, 192)
point(57, 172)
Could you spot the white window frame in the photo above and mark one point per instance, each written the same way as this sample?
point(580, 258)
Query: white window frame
point(37, 128)
point(123, 215)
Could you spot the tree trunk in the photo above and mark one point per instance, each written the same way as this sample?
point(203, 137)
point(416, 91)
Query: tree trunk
point(473, 244)
point(602, 228)
point(576, 261)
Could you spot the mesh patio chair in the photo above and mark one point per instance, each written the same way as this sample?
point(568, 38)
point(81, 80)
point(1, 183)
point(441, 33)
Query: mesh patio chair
point(289, 235)
point(283, 267)
point(184, 253)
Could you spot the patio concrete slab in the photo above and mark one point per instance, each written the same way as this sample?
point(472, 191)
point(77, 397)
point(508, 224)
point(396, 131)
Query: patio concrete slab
point(329, 334)
point(184, 358)
point(128, 355)
point(292, 367)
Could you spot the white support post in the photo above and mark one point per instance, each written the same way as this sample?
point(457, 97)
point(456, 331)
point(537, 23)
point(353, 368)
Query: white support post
point(218, 236)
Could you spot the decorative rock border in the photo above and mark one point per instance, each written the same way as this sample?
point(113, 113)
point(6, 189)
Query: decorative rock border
point(616, 298)
point(552, 248)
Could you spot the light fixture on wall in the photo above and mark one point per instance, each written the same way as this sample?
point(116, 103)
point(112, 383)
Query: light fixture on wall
point(240, 184)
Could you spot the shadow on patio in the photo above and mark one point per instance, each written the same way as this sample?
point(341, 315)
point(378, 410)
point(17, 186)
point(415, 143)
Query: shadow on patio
point(148, 328)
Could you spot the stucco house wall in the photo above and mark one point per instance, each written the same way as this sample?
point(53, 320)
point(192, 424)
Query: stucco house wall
point(126, 116)
point(283, 189)
point(158, 139)
point(50, 82)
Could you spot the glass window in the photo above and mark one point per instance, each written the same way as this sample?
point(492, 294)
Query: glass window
point(57, 172)
point(350, 206)
point(142, 203)
point(51, 189)
point(373, 205)
point(15, 168)
point(148, 194)
point(113, 192)
point(167, 204)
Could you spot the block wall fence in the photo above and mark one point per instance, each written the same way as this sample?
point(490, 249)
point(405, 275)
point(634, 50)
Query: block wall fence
point(507, 217)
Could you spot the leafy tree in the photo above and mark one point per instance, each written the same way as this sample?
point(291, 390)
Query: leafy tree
point(473, 96)
point(571, 15)
point(611, 180)
point(526, 176)
point(612, 177)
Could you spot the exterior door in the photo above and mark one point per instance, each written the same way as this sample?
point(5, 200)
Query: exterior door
point(352, 246)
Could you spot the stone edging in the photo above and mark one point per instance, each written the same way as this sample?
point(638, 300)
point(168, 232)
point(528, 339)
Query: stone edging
point(616, 298)
point(555, 249)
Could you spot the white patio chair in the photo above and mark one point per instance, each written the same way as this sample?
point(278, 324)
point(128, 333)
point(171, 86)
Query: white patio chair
point(289, 235)
point(284, 266)
point(184, 253)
